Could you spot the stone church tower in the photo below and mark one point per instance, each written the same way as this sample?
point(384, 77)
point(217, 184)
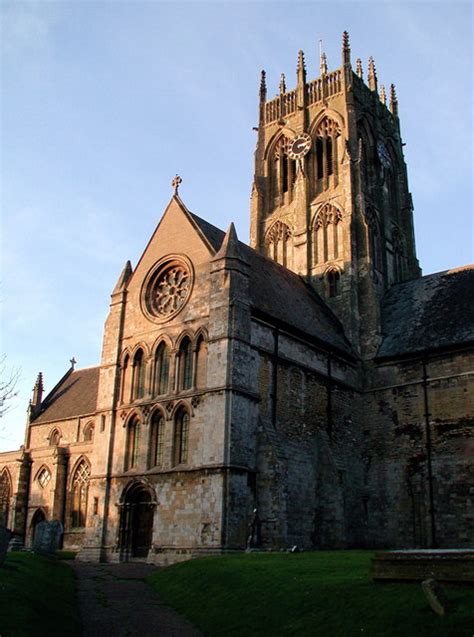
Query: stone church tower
point(330, 197)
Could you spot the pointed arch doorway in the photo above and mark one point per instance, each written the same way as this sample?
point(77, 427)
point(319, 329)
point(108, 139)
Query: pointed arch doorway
point(136, 521)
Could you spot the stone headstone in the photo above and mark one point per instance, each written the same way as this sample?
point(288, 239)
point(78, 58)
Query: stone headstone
point(436, 596)
point(5, 535)
point(47, 537)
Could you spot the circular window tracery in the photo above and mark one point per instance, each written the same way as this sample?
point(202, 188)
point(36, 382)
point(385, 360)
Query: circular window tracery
point(167, 289)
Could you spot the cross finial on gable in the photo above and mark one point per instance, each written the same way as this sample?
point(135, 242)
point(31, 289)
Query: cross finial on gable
point(176, 183)
point(73, 362)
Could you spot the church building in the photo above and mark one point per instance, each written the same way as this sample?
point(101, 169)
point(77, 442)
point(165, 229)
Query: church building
point(311, 389)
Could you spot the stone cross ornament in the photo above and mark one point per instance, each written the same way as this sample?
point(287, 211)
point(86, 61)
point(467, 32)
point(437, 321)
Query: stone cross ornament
point(177, 181)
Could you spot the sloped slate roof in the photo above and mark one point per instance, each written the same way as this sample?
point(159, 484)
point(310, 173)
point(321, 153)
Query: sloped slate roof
point(284, 295)
point(75, 395)
point(432, 312)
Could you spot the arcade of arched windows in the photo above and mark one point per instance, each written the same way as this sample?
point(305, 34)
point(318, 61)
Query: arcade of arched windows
point(163, 445)
point(278, 243)
point(327, 241)
point(167, 371)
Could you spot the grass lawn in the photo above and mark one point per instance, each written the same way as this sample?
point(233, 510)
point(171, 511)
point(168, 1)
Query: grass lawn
point(321, 593)
point(37, 597)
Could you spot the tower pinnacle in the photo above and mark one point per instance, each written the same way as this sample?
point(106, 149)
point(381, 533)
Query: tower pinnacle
point(393, 101)
point(282, 83)
point(346, 49)
point(301, 68)
point(263, 86)
point(372, 75)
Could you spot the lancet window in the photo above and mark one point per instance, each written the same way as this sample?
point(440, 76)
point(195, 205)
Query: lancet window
point(278, 243)
point(324, 159)
point(398, 255)
point(375, 240)
point(88, 435)
point(185, 364)
point(333, 280)
point(282, 173)
point(157, 439)
point(201, 362)
point(5, 496)
point(181, 437)
point(327, 234)
point(162, 369)
point(54, 438)
point(80, 488)
point(131, 445)
point(139, 368)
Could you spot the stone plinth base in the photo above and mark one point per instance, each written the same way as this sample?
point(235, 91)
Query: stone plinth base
point(445, 565)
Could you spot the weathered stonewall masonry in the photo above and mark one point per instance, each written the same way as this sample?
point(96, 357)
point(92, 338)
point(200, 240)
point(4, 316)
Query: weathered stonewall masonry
point(315, 376)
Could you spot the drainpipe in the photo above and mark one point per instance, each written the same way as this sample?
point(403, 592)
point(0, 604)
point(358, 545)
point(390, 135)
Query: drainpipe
point(329, 397)
point(275, 377)
point(434, 543)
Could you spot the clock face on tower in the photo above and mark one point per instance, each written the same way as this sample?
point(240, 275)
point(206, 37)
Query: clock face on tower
point(299, 146)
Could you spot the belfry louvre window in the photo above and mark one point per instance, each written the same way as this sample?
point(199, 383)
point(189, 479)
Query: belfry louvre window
point(282, 172)
point(185, 364)
point(327, 234)
point(162, 369)
point(5, 495)
point(131, 447)
point(181, 437)
point(80, 488)
point(324, 156)
point(157, 440)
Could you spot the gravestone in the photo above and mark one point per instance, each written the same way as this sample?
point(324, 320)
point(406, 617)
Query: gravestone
point(436, 596)
point(5, 535)
point(47, 537)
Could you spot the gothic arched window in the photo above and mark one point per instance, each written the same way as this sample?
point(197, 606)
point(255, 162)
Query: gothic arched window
point(126, 379)
point(162, 369)
point(185, 364)
point(131, 443)
point(325, 154)
point(398, 255)
point(201, 362)
point(278, 243)
point(282, 173)
point(138, 375)
point(181, 437)
point(80, 488)
point(88, 435)
point(54, 438)
point(157, 439)
point(375, 247)
point(5, 496)
point(327, 234)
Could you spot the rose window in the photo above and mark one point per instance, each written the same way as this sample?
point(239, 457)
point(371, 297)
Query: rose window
point(167, 289)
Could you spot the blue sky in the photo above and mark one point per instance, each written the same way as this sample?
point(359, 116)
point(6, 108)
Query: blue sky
point(103, 102)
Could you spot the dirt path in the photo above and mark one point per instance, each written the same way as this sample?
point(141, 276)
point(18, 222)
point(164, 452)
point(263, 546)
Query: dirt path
point(114, 600)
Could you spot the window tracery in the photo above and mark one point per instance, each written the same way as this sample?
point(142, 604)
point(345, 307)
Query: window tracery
point(80, 488)
point(278, 243)
point(327, 234)
point(324, 159)
point(282, 173)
